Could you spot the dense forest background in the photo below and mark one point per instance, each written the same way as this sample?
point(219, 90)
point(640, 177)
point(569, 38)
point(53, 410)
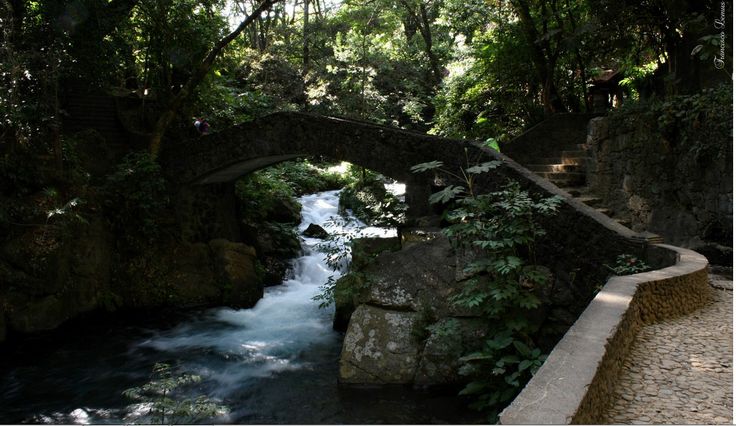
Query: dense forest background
point(474, 69)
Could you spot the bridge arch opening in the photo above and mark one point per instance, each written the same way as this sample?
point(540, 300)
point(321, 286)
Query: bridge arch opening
point(372, 197)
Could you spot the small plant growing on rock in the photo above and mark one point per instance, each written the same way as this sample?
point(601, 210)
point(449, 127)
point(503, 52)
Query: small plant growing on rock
point(627, 264)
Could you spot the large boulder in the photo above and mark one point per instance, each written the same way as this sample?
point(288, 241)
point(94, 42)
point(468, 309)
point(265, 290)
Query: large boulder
point(48, 279)
point(235, 264)
point(404, 328)
point(351, 289)
point(421, 276)
point(277, 240)
point(379, 348)
point(276, 244)
point(364, 250)
point(284, 210)
point(172, 274)
point(315, 231)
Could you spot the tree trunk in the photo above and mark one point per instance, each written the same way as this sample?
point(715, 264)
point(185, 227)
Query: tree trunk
point(421, 22)
point(305, 40)
point(544, 66)
point(167, 117)
point(425, 29)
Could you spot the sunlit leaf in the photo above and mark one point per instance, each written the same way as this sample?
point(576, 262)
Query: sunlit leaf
point(423, 167)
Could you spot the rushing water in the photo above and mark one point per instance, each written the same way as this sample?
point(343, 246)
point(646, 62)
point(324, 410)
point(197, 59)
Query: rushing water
point(274, 363)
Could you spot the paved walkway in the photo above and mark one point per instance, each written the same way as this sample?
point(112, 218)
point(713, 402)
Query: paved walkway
point(680, 371)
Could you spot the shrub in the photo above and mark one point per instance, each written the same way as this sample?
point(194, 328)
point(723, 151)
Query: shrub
point(165, 401)
point(499, 231)
point(136, 198)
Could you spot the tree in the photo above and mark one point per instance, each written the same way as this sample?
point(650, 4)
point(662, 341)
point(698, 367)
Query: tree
point(197, 76)
point(418, 16)
point(545, 49)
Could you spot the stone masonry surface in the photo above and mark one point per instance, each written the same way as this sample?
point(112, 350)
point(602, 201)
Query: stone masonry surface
point(680, 371)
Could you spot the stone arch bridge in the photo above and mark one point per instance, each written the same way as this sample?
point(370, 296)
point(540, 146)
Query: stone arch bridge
point(578, 234)
point(228, 154)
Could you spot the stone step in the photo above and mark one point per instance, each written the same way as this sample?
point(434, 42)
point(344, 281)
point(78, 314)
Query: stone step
point(605, 211)
point(572, 160)
point(548, 168)
point(624, 222)
point(574, 191)
point(564, 178)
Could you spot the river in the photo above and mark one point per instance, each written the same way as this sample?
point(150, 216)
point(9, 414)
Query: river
point(275, 363)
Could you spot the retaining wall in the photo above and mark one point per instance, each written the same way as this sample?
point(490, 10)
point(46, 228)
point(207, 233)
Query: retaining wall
point(575, 383)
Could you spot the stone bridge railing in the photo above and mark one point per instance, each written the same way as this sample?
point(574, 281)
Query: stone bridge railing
point(577, 380)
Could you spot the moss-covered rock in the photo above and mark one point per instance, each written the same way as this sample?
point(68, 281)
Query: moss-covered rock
point(378, 348)
point(170, 275)
point(350, 291)
point(52, 274)
point(449, 339)
point(235, 264)
point(401, 324)
point(365, 250)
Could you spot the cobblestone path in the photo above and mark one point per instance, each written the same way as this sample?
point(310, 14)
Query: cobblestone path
point(680, 371)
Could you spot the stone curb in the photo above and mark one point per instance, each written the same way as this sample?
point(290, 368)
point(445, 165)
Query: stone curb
point(575, 383)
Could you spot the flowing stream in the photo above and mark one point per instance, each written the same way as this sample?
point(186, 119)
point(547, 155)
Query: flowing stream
point(274, 363)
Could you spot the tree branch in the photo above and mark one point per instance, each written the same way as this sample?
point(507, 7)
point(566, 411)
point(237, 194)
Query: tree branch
point(198, 76)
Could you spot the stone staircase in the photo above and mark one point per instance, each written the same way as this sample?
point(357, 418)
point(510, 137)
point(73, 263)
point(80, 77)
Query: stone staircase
point(562, 159)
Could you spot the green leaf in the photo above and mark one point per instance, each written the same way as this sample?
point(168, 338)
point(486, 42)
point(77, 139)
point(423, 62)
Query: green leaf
point(446, 195)
point(523, 365)
point(483, 167)
point(493, 144)
point(476, 356)
point(507, 359)
point(473, 388)
point(523, 349)
point(499, 342)
point(423, 167)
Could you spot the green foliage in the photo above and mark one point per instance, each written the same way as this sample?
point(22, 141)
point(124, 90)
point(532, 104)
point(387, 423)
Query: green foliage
point(347, 289)
point(366, 196)
point(326, 295)
point(136, 198)
point(498, 231)
point(627, 264)
point(67, 211)
point(700, 120)
point(260, 193)
point(466, 176)
point(336, 246)
point(696, 126)
point(162, 399)
point(265, 190)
